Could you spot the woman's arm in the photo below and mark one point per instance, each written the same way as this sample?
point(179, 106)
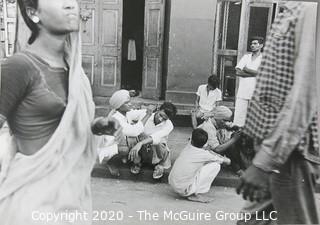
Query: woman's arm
point(16, 82)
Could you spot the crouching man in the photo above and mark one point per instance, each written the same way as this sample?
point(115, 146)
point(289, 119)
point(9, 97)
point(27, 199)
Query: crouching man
point(154, 140)
point(195, 169)
point(132, 124)
point(218, 137)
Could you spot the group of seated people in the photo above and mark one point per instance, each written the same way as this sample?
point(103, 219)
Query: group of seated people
point(144, 136)
point(144, 140)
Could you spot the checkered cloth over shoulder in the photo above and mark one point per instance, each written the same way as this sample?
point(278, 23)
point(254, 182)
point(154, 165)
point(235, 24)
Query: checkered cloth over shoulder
point(275, 78)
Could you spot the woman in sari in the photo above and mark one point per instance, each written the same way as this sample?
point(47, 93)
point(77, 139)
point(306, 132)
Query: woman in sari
point(47, 101)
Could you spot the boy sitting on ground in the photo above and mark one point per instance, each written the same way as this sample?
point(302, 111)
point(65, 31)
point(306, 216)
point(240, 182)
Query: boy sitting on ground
point(132, 124)
point(154, 140)
point(195, 169)
point(208, 97)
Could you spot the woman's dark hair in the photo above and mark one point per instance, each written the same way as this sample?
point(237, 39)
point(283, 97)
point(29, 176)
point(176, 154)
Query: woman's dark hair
point(170, 109)
point(213, 81)
point(23, 5)
point(199, 137)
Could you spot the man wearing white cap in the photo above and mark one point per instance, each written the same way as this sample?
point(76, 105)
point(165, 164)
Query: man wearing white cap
point(221, 116)
point(131, 121)
point(217, 141)
point(154, 141)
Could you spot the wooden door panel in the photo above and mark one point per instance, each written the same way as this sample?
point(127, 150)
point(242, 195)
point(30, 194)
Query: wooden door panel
point(110, 20)
point(153, 35)
point(90, 45)
point(111, 1)
point(88, 27)
point(87, 1)
point(153, 28)
point(108, 79)
point(88, 64)
point(152, 72)
point(109, 71)
point(101, 22)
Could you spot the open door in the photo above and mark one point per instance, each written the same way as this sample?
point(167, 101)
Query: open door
point(255, 20)
point(153, 42)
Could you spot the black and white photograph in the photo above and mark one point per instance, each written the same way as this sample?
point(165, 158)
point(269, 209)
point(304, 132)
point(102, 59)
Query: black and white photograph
point(159, 112)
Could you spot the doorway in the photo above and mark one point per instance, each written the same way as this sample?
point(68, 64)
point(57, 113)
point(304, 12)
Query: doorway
point(132, 44)
point(236, 22)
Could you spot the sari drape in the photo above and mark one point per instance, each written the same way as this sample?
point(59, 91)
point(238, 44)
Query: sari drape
point(56, 179)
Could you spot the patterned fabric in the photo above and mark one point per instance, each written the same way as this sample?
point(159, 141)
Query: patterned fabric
point(275, 79)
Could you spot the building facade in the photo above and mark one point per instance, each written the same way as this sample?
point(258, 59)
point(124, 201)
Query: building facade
point(165, 48)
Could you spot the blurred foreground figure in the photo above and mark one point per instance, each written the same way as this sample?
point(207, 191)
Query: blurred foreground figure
point(282, 119)
point(46, 100)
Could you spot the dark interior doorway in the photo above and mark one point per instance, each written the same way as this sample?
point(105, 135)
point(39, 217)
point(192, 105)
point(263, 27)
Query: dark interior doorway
point(132, 44)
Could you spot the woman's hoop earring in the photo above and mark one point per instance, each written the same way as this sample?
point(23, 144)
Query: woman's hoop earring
point(35, 19)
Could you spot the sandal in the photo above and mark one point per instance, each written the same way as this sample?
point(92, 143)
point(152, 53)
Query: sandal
point(158, 172)
point(135, 169)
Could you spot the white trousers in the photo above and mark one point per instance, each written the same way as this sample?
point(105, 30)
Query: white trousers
point(204, 178)
point(240, 112)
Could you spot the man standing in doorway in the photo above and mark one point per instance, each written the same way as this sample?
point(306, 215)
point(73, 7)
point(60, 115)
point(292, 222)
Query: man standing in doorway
point(246, 70)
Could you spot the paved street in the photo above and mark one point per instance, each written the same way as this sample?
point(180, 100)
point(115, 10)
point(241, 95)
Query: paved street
point(128, 197)
point(140, 203)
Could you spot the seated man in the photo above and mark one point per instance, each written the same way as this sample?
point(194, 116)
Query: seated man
point(208, 96)
point(155, 138)
point(131, 121)
point(217, 140)
point(195, 169)
point(243, 151)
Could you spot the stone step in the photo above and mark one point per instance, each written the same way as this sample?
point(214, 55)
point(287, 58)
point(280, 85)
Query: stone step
point(225, 177)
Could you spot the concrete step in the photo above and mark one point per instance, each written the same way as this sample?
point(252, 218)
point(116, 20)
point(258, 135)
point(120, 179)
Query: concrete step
point(225, 178)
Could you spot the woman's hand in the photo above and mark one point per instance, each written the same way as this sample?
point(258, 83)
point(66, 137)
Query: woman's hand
point(134, 152)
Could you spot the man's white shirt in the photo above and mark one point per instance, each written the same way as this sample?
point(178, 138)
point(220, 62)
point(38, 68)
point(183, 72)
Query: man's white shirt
point(247, 84)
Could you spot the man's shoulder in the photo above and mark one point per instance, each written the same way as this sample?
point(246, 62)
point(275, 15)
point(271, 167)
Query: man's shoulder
point(169, 123)
point(190, 148)
point(207, 125)
point(202, 86)
point(247, 55)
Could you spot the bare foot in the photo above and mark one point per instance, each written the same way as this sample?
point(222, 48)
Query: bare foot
point(200, 198)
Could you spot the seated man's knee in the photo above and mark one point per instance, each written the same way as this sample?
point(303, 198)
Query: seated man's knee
point(162, 149)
